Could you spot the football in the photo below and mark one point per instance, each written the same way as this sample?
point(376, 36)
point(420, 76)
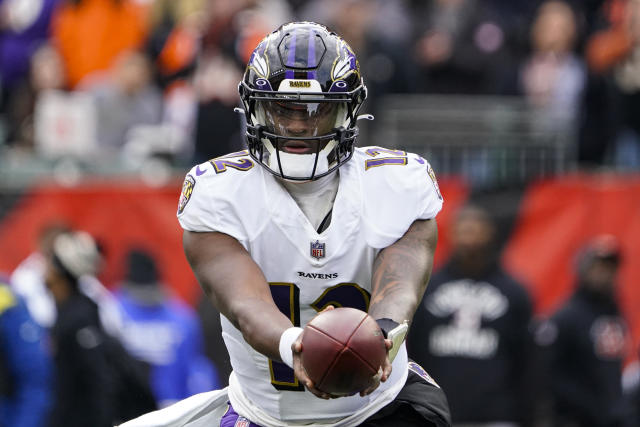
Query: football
point(341, 350)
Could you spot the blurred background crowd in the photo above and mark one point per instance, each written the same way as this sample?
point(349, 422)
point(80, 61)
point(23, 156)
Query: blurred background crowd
point(129, 80)
point(529, 111)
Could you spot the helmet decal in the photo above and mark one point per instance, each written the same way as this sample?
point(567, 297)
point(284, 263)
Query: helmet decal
point(259, 62)
point(345, 63)
point(261, 65)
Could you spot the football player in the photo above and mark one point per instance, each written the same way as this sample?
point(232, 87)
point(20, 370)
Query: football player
point(301, 221)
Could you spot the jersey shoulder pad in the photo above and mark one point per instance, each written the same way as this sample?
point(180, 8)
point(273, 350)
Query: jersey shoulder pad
point(221, 195)
point(398, 188)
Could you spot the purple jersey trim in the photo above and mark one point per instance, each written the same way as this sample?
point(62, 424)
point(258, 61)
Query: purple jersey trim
point(232, 419)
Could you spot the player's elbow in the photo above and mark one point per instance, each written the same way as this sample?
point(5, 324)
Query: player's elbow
point(244, 316)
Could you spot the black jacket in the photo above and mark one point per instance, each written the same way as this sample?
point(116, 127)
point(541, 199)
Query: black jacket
point(586, 359)
point(82, 387)
point(472, 335)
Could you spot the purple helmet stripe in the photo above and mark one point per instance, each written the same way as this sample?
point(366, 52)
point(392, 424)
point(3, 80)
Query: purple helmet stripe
point(311, 56)
point(292, 56)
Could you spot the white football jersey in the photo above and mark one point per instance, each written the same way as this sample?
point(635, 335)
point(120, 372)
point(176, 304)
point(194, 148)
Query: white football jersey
point(381, 193)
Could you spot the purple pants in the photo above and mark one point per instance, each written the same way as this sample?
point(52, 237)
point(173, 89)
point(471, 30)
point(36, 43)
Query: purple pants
point(232, 419)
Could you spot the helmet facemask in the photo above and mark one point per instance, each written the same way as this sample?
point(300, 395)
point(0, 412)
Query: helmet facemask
point(301, 137)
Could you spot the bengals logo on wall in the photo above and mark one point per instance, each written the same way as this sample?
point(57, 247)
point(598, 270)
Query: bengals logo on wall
point(187, 190)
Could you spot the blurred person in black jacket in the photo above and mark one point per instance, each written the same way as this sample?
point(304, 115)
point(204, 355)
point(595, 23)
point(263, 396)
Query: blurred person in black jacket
point(96, 382)
point(587, 341)
point(81, 381)
point(472, 330)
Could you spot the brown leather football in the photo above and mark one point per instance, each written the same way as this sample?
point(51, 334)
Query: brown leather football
point(342, 349)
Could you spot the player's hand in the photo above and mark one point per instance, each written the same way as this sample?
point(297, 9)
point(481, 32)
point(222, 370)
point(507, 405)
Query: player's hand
point(301, 373)
point(383, 373)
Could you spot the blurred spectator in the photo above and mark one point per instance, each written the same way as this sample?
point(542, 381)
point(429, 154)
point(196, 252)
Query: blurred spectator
point(91, 34)
point(97, 383)
point(472, 330)
point(175, 45)
point(613, 55)
point(24, 25)
point(28, 281)
point(587, 341)
point(464, 47)
point(46, 73)
point(125, 100)
point(553, 77)
point(25, 367)
point(218, 127)
point(233, 30)
point(390, 20)
point(163, 332)
point(633, 394)
point(368, 26)
point(82, 371)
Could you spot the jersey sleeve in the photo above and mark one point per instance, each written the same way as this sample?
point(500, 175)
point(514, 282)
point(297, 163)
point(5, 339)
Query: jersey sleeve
point(396, 194)
point(207, 203)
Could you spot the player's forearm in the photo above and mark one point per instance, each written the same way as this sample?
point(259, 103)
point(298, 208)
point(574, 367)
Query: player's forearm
point(260, 327)
point(401, 273)
point(236, 286)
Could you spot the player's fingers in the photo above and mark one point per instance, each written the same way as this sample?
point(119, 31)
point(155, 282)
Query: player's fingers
point(386, 370)
point(304, 379)
point(316, 392)
point(388, 344)
point(327, 308)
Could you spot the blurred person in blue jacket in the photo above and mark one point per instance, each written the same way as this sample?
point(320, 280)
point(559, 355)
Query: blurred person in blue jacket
point(25, 367)
point(164, 332)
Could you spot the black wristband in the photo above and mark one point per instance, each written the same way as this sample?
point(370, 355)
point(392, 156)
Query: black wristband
point(386, 325)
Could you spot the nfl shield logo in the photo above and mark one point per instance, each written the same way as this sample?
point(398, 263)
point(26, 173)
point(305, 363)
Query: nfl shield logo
point(317, 250)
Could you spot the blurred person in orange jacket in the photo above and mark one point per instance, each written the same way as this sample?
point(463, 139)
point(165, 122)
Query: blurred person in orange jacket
point(92, 33)
point(612, 128)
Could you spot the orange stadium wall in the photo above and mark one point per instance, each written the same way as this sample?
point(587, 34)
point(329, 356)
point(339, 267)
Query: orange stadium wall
point(122, 215)
point(557, 217)
point(119, 215)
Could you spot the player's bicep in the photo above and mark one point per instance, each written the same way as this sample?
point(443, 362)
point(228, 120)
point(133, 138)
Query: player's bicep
point(236, 286)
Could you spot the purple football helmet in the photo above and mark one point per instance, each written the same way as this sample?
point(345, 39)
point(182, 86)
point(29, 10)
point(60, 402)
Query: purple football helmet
point(301, 94)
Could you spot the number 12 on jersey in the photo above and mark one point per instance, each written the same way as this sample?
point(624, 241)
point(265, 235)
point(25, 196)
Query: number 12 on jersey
point(287, 299)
